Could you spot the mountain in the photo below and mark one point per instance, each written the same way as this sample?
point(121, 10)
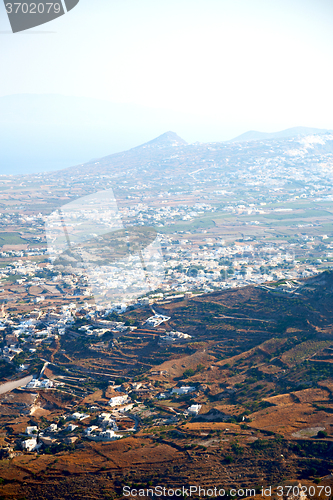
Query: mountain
point(48, 132)
point(166, 140)
point(168, 154)
point(253, 135)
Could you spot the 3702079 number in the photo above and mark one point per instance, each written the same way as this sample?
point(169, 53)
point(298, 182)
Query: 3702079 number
point(33, 8)
point(309, 491)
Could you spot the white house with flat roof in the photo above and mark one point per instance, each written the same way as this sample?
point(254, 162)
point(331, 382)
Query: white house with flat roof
point(182, 390)
point(52, 428)
point(71, 427)
point(118, 400)
point(33, 429)
point(156, 320)
point(90, 429)
point(79, 416)
point(30, 444)
point(42, 384)
point(194, 409)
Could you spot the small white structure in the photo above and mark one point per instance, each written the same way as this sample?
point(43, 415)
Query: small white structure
point(29, 444)
point(194, 409)
point(46, 384)
point(156, 320)
point(32, 384)
point(107, 420)
point(52, 428)
point(126, 407)
point(79, 416)
point(33, 429)
point(105, 416)
point(85, 328)
point(136, 386)
point(109, 435)
point(182, 390)
point(71, 427)
point(90, 429)
point(118, 400)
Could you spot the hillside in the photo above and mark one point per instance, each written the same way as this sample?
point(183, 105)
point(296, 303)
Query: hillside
point(260, 361)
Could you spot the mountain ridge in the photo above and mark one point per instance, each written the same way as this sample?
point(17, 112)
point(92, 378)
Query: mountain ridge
point(254, 135)
point(160, 152)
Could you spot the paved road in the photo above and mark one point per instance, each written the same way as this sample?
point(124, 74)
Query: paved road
point(9, 386)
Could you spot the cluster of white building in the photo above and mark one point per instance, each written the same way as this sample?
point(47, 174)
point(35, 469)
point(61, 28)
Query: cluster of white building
point(8, 353)
point(40, 384)
point(106, 430)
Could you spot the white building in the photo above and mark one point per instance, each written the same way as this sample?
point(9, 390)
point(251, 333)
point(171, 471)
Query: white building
point(107, 435)
point(107, 420)
point(90, 429)
point(156, 320)
point(52, 428)
point(182, 390)
point(43, 384)
point(71, 427)
point(30, 444)
point(33, 429)
point(118, 400)
point(194, 409)
point(46, 384)
point(175, 336)
point(79, 416)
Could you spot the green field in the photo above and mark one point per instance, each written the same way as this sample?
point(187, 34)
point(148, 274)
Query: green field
point(292, 215)
point(11, 239)
point(198, 223)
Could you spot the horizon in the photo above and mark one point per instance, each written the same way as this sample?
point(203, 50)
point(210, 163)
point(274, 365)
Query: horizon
point(242, 137)
point(211, 71)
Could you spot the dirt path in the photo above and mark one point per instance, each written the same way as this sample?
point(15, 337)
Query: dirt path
point(245, 318)
point(55, 350)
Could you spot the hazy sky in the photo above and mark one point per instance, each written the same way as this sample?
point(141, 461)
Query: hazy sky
point(234, 65)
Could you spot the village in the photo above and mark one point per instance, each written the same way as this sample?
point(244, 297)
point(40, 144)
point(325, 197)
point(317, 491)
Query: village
point(103, 421)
